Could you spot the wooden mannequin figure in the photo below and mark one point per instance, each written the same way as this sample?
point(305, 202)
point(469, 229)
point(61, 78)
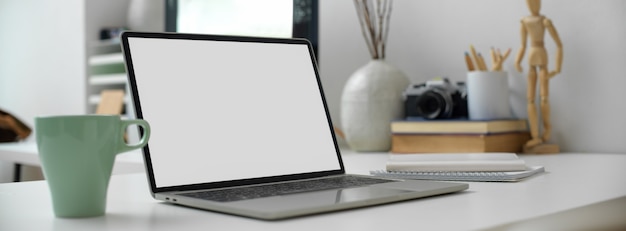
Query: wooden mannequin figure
point(534, 27)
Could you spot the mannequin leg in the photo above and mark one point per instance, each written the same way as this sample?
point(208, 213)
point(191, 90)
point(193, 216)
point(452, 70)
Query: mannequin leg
point(544, 90)
point(532, 108)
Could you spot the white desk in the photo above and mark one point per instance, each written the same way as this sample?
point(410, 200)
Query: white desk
point(571, 181)
point(26, 153)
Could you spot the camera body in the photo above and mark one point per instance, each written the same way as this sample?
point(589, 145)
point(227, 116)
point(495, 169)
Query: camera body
point(436, 99)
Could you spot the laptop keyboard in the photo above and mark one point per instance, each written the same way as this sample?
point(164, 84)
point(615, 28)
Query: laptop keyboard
point(252, 192)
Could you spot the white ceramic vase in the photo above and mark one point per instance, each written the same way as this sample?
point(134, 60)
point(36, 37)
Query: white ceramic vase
point(371, 99)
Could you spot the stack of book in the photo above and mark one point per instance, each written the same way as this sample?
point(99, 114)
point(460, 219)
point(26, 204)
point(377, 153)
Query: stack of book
point(449, 136)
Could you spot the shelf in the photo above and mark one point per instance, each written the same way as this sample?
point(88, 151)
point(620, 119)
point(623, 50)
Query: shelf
point(106, 71)
point(108, 79)
point(106, 59)
point(115, 42)
point(105, 47)
point(95, 99)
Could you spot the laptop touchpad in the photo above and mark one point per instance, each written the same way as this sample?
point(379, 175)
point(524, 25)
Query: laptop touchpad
point(318, 199)
point(366, 193)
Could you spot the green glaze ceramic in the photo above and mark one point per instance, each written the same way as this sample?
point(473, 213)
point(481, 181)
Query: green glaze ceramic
point(77, 155)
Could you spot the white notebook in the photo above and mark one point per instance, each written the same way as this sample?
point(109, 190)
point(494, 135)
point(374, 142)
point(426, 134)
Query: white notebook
point(508, 176)
point(455, 162)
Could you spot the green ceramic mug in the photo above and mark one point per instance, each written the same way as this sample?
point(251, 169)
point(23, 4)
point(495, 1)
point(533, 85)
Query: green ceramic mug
point(77, 153)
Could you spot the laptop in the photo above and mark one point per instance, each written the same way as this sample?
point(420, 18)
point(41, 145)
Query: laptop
point(240, 126)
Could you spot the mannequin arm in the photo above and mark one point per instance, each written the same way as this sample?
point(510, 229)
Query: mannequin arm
point(559, 47)
point(522, 50)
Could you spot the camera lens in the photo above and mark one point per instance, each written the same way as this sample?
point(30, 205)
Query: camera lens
point(432, 104)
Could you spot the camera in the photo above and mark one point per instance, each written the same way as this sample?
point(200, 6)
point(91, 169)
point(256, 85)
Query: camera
point(436, 99)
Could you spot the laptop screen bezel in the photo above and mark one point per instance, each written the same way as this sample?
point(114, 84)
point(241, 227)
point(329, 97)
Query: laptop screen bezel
point(139, 114)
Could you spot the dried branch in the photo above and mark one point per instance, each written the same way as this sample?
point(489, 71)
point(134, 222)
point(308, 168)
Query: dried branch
point(386, 32)
point(379, 32)
point(364, 29)
point(374, 21)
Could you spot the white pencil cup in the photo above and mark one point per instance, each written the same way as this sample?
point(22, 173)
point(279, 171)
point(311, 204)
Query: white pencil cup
point(488, 95)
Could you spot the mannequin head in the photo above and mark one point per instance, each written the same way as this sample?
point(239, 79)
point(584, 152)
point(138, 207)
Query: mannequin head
point(534, 6)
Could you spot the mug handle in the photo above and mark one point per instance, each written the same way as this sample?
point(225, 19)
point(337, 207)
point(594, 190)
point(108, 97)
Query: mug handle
point(124, 147)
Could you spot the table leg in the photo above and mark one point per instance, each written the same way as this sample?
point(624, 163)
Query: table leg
point(17, 173)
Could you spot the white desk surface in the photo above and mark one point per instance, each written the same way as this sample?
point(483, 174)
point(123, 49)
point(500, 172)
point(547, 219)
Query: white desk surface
point(571, 181)
point(26, 153)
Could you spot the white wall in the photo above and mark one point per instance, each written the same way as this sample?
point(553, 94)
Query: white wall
point(428, 38)
point(42, 56)
point(99, 14)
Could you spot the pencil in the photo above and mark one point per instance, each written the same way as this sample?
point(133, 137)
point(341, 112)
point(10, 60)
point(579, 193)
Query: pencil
point(475, 56)
point(481, 63)
point(498, 67)
point(506, 54)
point(494, 58)
point(468, 61)
point(498, 64)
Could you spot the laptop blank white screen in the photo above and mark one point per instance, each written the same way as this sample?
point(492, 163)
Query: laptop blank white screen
point(221, 110)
